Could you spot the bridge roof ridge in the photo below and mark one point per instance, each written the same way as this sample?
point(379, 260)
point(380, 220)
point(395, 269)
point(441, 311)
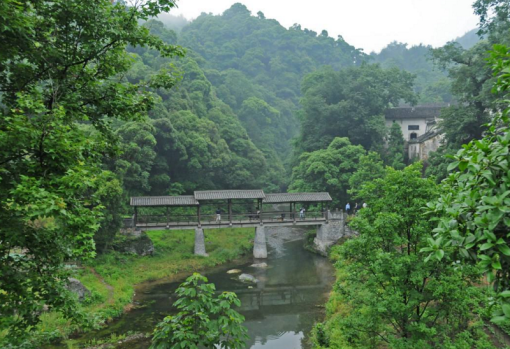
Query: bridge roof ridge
point(229, 194)
point(182, 200)
point(297, 197)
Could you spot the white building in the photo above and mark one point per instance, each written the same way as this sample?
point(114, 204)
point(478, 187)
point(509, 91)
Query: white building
point(419, 127)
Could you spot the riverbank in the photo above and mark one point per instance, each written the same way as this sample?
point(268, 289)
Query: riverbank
point(112, 277)
point(279, 310)
point(329, 334)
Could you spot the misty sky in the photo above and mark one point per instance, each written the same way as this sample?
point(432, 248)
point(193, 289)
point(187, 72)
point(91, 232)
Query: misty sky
point(367, 24)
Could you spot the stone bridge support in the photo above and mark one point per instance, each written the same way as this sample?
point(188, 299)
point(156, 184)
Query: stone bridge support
point(260, 246)
point(333, 230)
point(200, 242)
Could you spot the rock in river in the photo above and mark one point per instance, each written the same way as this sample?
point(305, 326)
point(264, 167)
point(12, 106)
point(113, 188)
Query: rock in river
point(259, 265)
point(234, 271)
point(247, 278)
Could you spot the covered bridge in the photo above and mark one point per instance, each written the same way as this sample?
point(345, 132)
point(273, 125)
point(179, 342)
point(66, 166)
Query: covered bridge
point(235, 207)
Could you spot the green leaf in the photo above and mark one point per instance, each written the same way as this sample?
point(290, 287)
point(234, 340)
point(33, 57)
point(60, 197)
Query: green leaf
point(496, 265)
point(506, 310)
point(490, 277)
point(499, 320)
point(464, 253)
point(504, 249)
point(486, 246)
point(439, 254)
point(452, 166)
point(505, 294)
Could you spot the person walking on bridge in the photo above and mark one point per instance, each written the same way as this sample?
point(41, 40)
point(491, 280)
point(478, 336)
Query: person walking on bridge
point(302, 213)
point(347, 208)
point(218, 215)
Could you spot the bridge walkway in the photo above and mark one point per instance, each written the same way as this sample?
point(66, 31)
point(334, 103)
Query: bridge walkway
point(227, 224)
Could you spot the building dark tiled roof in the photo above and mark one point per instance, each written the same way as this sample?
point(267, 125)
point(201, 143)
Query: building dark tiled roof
point(296, 197)
point(413, 113)
point(229, 194)
point(188, 200)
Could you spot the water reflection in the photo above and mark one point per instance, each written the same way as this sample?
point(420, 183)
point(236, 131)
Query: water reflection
point(280, 309)
point(284, 304)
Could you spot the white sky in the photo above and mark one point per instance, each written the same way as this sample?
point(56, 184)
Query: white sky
point(367, 24)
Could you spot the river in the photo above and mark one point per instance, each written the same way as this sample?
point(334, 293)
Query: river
point(280, 309)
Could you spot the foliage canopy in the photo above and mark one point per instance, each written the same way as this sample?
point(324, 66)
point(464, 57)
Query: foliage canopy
point(61, 82)
point(203, 320)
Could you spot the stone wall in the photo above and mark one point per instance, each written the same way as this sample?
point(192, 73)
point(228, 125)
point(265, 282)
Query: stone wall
point(332, 231)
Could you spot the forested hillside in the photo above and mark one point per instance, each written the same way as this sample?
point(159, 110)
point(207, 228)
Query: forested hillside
point(256, 66)
point(249, 89)
point(432, 83)
point(230, 121)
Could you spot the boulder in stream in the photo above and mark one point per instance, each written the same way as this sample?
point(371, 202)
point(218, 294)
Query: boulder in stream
point(259, 265)
point(247, 278)
point(234, 271)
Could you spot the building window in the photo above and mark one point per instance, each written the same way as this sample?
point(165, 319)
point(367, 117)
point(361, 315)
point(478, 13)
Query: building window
point(413, 136)
point(413, 127)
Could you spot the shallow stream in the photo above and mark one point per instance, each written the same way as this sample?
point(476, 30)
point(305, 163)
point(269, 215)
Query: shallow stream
point(280, 309)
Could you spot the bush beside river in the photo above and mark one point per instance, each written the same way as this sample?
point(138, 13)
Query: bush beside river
point(112, 277)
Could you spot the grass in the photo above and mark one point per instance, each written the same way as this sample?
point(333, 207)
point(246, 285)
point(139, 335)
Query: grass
point(112, 277)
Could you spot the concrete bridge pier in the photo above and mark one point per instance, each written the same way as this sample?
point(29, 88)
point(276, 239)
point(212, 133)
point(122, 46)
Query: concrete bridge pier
point(260, 246)
point(200, 242)
point(330, 232)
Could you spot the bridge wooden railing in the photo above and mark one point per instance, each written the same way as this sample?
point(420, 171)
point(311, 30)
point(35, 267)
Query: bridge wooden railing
point(235, 218)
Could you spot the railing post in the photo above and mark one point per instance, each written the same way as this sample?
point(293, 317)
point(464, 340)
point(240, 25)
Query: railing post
point(167, 218)
point(230, 211)
point(198, 216)
point(136, 216)
point(260, 210)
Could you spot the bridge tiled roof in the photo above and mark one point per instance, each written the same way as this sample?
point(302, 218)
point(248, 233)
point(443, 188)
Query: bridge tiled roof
point(296, 197)
point(190, 200)
point(229, 194)
point(185, 200)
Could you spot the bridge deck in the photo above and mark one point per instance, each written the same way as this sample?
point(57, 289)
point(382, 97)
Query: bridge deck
point(226, 224)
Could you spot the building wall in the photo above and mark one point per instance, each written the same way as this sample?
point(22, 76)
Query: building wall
point(405, 123)
point(423, 149)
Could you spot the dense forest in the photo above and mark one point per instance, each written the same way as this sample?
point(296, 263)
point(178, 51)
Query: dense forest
point(252, 86)
point(139, 103)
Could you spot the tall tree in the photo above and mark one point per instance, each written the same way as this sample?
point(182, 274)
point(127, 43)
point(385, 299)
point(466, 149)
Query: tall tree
point(431, 82)
point(474, 209)
point(395, 152)
point(471, 85)
point(472, 82)
point(389, 295)
point(350, 103)
point(328, 170)
point(60, 69)
point(370, 168)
